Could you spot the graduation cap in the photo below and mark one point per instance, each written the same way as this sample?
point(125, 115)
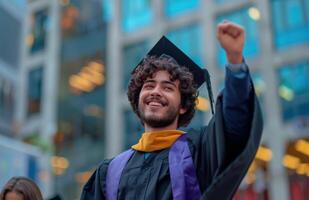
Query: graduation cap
point(166, 48)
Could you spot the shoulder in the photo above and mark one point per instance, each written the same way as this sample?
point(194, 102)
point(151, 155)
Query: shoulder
point(102, 168)
point(99, 175)
point(194, 136)
point(95, 186)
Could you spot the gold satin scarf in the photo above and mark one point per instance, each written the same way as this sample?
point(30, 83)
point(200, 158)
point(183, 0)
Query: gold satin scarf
point(158, 140)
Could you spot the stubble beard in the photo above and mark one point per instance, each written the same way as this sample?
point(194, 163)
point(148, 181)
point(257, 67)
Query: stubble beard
point(159, 122)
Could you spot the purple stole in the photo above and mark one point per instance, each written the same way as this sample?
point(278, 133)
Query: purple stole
point(182, 172)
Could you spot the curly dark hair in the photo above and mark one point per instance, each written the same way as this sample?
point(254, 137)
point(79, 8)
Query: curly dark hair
point(151, 65)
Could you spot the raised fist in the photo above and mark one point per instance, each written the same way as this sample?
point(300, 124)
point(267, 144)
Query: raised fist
point(231, 37)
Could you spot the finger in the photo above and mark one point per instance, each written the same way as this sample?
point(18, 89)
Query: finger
point(221, 28)
point(229, 25)
point(232, 29)
point(233, 32)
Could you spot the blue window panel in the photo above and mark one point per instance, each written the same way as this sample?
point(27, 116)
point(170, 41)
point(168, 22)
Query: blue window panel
point(220, 1)
point(39, 31)
point(299, 85)
point(132, 55)
point(306, 7)
point(252, 46)
point(22, 3)
point(176, 7)
point(189, 40)
point(295, 15)
point(224, 1)
point(107, 10)
point(7, 99)
point(294, 90)
point(136, 14)
point(276, 13)
point(290, 25)
point(35, 85)
point(32, 168)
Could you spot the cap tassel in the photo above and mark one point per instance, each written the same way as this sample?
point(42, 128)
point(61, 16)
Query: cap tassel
point(209, 90)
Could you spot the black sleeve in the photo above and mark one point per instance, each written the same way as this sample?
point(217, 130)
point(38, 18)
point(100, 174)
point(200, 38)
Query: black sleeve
point(226, 176)
point(94, 189)
point(219, 171)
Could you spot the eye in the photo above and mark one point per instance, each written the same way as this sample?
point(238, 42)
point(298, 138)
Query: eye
point(168, 88)
point(148, 86)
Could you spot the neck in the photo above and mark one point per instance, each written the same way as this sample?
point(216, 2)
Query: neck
point(172, 126)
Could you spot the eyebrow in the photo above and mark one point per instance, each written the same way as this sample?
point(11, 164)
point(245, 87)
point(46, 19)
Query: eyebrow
point(163, 82)
point(169, 83)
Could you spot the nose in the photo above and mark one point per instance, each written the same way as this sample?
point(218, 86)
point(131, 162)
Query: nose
point(156, 91)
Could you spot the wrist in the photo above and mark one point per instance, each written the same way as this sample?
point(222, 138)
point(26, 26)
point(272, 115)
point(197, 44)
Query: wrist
point(234, 58)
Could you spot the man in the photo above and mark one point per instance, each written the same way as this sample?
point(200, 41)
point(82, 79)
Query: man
point(168, 164)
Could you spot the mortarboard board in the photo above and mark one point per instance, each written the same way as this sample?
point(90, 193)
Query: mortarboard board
point(165, 47)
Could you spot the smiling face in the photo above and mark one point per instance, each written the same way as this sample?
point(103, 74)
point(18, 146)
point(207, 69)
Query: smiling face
point(160, 102)
point(162, 71)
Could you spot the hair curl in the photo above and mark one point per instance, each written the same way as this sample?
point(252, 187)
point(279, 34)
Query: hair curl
point(187, 88)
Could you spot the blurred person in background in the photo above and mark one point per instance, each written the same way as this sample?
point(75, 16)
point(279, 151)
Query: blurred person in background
point(167, 163)
point(20, 188)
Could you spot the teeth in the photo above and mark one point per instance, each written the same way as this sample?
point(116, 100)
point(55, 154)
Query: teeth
point(155, 104)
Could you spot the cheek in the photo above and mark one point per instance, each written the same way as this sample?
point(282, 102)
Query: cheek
point(177, 99)
point(141, 98)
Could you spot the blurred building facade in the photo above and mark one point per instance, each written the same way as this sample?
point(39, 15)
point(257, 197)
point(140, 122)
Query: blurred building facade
point(29, 39)
point(82, 93)
point(64, 76)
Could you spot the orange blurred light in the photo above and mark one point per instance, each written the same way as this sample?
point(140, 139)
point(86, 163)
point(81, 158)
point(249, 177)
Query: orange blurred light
point(290, 162)
point(202, 104)
point(264, 154)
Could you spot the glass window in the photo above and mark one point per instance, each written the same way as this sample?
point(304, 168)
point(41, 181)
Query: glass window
point(252, 46)
point(6, 99)
point(39, 25)
point(294, 90)
point(107, 10)
point(290, 22)
point(224, 1)
point(22, 4)
point(84, 17)
point(10, 38)
point(136, 14)
point(35, 84)
point(189, 39)
point(176, 7)
point(132, 55)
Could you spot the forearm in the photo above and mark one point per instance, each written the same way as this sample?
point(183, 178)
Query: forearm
point(236, 102)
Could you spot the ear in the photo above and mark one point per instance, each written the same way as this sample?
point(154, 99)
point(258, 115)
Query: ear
point(182, 111)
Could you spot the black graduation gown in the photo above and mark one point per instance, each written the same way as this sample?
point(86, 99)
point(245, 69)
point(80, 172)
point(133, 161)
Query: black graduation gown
point(220, 166)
